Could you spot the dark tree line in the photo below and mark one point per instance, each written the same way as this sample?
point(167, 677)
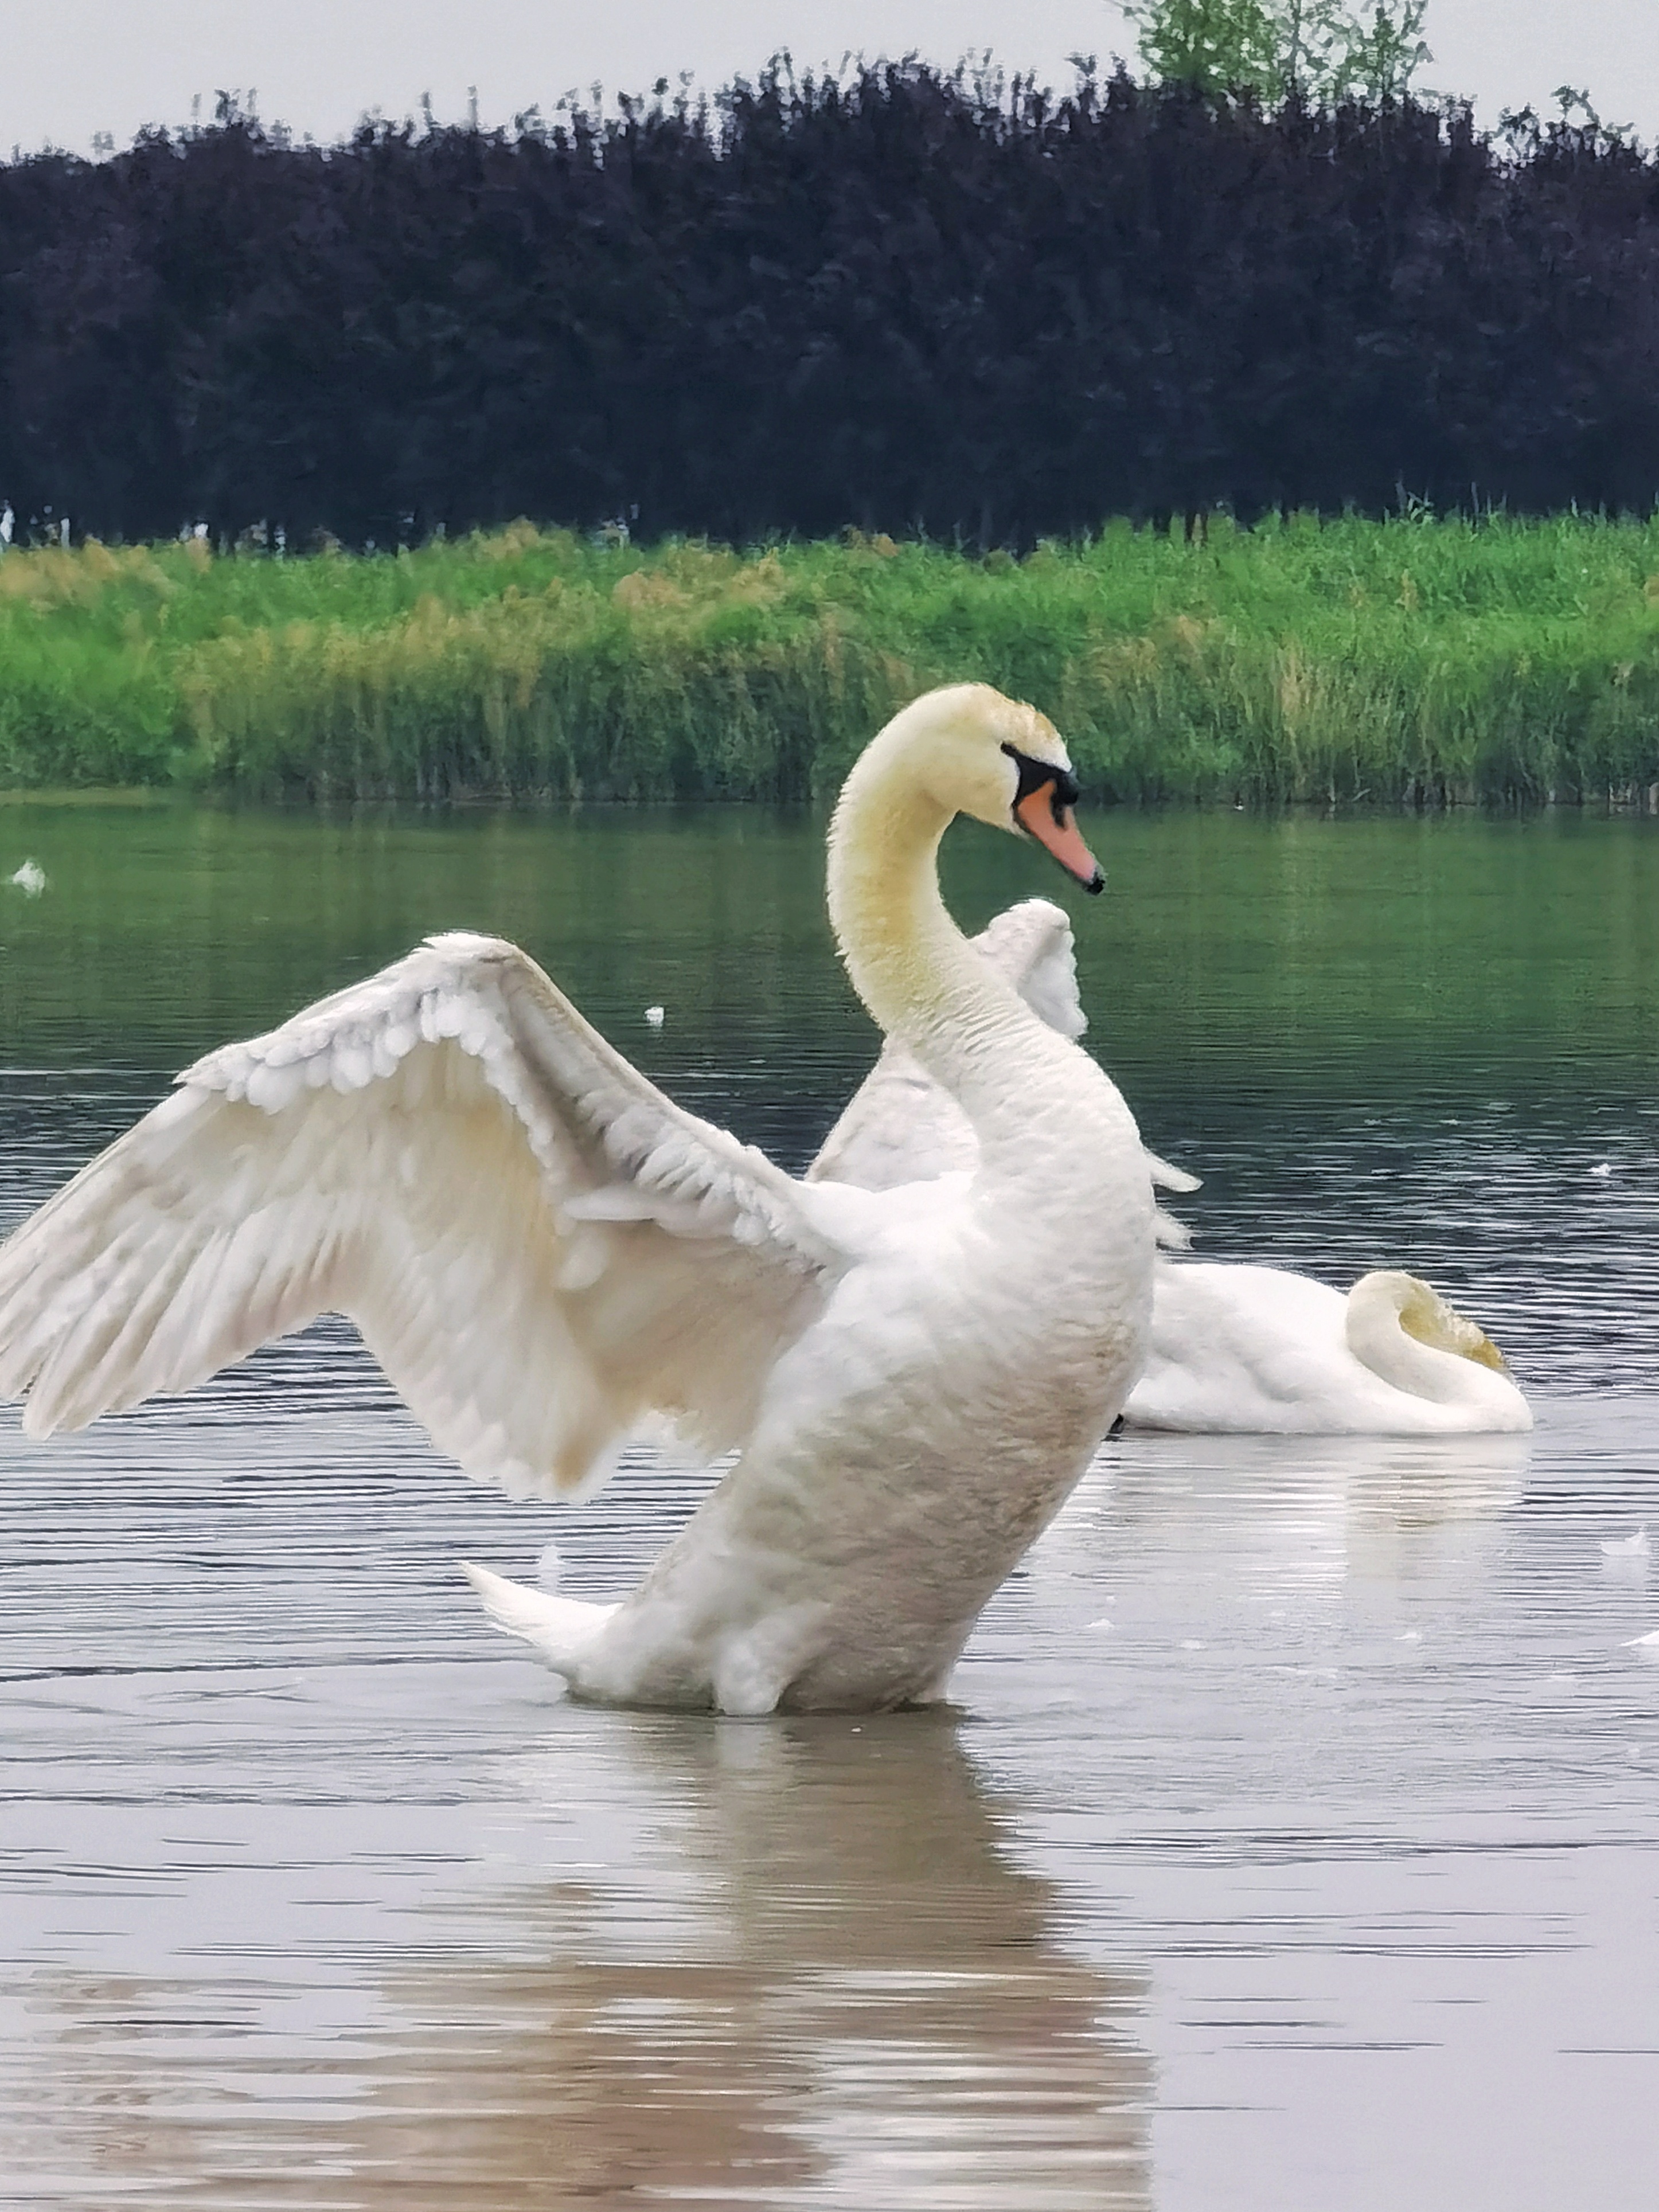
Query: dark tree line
point(906, 300)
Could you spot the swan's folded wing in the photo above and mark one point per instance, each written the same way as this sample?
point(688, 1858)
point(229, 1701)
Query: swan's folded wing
point(538, 1246)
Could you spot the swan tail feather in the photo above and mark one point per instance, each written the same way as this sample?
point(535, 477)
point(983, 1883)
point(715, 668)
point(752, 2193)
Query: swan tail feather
point(558, 1629)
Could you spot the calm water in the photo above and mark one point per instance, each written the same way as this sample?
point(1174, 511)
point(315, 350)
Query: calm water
point(1294, 1843)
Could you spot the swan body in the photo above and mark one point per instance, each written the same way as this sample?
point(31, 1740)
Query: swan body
point(1245, 1350)
point(1240, 1350)
point(542, 1250)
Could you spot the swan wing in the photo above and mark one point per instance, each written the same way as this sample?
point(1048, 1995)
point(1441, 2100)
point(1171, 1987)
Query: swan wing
point(537, 1245)
point(1032, 946)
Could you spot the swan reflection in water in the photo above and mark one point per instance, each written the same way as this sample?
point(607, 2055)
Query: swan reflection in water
point(1330, 1535)
point(1371, 1500)
point(792, 1962)
point(778, 1963)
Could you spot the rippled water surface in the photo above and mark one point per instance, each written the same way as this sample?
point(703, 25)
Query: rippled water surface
point(1293, 1845)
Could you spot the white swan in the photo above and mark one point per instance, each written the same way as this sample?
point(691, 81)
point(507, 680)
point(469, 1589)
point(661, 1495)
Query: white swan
point(540, 1249)
point(1245, 1350)
point(1240, 1350)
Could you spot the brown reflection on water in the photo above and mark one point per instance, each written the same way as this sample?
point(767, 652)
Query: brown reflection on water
point(812, 1974)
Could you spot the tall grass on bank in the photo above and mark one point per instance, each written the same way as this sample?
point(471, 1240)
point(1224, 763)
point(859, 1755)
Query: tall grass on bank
point(1414, 661)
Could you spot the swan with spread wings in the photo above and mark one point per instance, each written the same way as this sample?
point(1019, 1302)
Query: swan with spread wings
point(541, 1249)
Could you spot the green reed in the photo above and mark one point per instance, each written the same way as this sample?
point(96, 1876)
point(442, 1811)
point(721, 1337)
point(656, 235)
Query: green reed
point(1416, 660)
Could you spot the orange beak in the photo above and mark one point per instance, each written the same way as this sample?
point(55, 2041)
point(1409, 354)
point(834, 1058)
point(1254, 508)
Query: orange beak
point(1055, 826)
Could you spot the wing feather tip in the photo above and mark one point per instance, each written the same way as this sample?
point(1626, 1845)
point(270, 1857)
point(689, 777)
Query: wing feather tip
point(1167, 1177)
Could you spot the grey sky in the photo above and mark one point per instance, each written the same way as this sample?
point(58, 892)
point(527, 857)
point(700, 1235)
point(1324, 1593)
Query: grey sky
point(78, 67)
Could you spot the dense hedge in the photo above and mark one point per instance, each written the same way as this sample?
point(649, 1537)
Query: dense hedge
point(909, 301)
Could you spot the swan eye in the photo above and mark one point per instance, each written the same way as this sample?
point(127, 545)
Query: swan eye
point(1034, 775)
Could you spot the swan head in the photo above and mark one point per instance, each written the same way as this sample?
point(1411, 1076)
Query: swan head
point(973, 752)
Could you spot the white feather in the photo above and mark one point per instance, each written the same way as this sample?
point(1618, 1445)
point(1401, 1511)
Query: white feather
point(420, 1187)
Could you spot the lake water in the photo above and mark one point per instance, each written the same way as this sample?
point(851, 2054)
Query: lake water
point(1293, 1843)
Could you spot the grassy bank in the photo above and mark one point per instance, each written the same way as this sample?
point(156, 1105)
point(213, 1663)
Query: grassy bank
point(1356, 662)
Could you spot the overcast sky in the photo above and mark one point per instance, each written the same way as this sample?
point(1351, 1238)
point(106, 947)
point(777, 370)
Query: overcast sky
point(70, 69)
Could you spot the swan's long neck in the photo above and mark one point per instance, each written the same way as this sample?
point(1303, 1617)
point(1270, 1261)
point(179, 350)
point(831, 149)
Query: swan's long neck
point(1407, 1333)
point(915, 972)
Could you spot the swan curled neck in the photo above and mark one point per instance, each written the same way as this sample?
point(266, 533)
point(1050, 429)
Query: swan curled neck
point(542, 1250)
point(1405, 1332)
